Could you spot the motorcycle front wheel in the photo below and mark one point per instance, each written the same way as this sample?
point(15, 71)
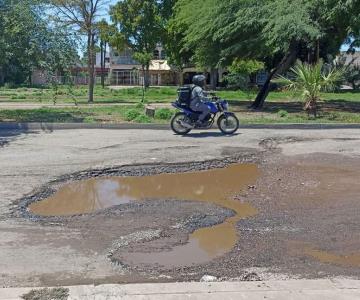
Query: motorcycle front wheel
point(177, 122)
point(228, 124)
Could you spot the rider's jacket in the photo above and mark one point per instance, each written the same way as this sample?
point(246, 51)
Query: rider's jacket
point(198, 94)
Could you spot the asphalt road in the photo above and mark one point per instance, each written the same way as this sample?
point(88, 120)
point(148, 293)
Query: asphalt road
point(29, 160)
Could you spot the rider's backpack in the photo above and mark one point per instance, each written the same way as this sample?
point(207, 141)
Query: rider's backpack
point(184, 94)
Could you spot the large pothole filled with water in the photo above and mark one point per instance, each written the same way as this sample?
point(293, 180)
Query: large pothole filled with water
point(216, 186)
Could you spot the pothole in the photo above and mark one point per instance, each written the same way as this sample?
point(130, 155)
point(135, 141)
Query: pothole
point(216, 186)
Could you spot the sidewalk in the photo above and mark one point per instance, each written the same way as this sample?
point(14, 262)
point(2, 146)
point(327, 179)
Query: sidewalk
point(329, 289)
point(35, 105)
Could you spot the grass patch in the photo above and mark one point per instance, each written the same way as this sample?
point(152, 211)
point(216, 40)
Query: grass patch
point(164, 113)
point(152, 95)
point(107, 114)
point(282, 113)
point(280, 107)
point(132, 114)
point(142, 119)
point(47, 294)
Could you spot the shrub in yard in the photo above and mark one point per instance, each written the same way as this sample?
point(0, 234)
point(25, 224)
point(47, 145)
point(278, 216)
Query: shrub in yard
point(282, 113)
point(311, 80)
point(142, 119)
point(163, 114)
point(131, 114)
point(18, 97)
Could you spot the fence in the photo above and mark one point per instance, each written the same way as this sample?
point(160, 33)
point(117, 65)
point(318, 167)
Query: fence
point(120, 78)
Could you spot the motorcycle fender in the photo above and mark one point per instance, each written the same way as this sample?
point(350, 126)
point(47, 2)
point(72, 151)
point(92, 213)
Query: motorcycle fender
point(227, 113)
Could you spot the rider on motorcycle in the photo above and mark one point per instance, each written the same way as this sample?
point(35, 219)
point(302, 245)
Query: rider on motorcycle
point(198, 98)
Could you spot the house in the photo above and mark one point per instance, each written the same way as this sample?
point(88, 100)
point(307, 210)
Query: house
point(78, 73)
point(350, 59)
point(125, 70)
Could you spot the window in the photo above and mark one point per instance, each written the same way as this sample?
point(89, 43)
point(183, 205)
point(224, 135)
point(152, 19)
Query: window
point(156, 54)
point(163, 54)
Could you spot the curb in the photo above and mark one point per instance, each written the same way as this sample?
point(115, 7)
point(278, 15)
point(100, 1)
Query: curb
point(124, 126)
point(63, 126)
point(281, 290)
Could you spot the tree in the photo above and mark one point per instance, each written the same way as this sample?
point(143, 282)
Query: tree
point(274, 31)
point(311, 80)
point(82, 15)
point(140, 23)
point(196, 40)
point(352, 70)
point(107, 34)
point(240, 72)
point(28, 42)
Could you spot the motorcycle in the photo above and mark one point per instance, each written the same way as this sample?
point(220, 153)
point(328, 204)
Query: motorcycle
point(186, 120)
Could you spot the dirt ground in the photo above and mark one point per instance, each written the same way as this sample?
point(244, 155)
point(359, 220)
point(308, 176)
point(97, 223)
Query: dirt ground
point(307, 200)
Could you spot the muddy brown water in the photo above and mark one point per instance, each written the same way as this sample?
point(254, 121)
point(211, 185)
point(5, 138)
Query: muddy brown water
point(217, 186)
point(348, 260)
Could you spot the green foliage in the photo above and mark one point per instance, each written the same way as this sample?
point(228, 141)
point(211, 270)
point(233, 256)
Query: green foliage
point(28, 41)
point(311, 80)
point(282, 113)
point(142, 119)
point(140, 24)
point(164, 114)
point(240, 71)
point(140, 105)
point(276, 32)
point(131, 114)
point(237, 81)
point(245, 66)
point(18, 97)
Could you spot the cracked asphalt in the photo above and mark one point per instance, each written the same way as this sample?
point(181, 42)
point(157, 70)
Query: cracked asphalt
point(36, 254)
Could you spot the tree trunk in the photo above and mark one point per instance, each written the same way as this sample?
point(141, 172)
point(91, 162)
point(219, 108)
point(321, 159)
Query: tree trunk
point(1, 76)
point(91, 67)
point(213, 78)
point(264, 91)
point(283, 66)
point(143, 85)
point(105, 46)
point(317, 51)
point(147, 76)
point(102, 64)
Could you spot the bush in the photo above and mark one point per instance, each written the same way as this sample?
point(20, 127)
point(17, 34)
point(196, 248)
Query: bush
point(237, 81)
point(282, 113)
point(131, 114)
point(142, 119)
point(18, 97)
point(163, 114)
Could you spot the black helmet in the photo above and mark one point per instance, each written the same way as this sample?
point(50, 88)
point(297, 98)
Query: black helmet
point(199, 80)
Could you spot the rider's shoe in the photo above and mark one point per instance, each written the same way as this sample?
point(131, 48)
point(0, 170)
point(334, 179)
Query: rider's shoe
point(199, 124)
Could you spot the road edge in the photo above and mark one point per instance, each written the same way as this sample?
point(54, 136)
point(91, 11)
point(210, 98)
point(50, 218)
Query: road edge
point(294, 289)
point(127, 126)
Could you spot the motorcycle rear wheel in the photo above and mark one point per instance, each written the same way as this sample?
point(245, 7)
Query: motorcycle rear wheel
point(176, 123)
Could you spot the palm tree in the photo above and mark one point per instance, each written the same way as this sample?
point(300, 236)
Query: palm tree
point(311, 80)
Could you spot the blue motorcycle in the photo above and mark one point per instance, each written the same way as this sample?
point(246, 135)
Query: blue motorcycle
point(186, 120)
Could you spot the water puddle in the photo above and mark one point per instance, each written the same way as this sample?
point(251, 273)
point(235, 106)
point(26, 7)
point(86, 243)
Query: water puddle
point(216, 186)
point(351, 260)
